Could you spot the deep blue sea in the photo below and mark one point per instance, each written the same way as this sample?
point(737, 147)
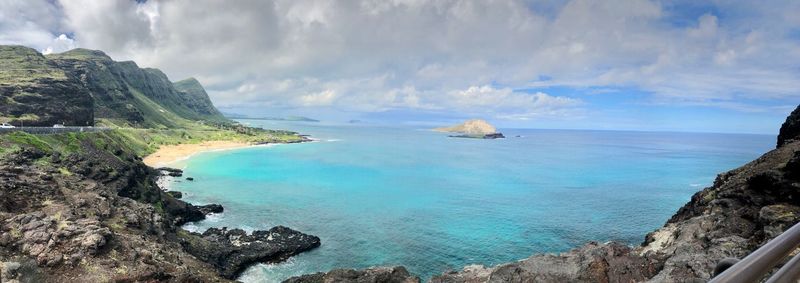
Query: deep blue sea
point(404, 195)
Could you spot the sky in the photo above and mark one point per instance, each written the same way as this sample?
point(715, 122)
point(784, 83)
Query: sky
point(708, 66)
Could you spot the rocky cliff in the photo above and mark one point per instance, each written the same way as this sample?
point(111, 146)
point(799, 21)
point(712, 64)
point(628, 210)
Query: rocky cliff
point(790, 129)
point(745, 208)
point(82, 207)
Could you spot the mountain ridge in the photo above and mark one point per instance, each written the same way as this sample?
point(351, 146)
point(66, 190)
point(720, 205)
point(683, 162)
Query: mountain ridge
point(92, 87)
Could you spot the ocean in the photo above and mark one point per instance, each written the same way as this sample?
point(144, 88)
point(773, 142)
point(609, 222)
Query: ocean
point(405, 195)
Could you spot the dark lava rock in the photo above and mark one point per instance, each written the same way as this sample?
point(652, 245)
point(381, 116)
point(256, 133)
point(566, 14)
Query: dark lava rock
point(172, 172)
point(790, 129)
point(175, 194)
point(494, 136)
point(184, 212)
point(397, 274)
point(210, 208)
point(231, 251)
point(486, 136)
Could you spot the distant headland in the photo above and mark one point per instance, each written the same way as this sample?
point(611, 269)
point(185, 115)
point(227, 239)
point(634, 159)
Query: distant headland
point(474, 128)
point(288, 118)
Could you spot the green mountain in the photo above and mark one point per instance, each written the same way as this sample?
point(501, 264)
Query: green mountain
point(81, 86)
point(35, 92)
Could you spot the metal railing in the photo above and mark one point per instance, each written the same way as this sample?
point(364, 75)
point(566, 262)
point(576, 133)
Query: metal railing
point(760, 262)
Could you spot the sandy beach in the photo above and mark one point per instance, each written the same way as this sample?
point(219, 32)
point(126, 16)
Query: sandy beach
point(168, 154)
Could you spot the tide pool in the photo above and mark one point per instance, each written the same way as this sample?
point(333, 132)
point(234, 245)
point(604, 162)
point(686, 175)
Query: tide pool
point(404, 195)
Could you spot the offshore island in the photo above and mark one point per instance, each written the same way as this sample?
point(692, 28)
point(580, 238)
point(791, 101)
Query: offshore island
point(474, 128)
point(79, 204)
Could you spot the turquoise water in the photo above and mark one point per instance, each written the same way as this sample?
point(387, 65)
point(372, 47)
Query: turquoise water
point(409, 196)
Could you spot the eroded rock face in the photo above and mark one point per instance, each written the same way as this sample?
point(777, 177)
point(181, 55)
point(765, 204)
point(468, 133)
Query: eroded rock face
point(397, 274)
point(790, 130)
point(55, 239)
point(231, 251)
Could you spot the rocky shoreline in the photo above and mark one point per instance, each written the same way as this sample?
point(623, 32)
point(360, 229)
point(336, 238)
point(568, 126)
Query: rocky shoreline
point(95, 213)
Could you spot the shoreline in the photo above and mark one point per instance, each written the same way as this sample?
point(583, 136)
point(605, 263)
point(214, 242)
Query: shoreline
point(169, 154)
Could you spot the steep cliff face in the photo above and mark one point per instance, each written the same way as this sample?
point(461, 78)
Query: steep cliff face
point(139, 96)
point(33, 92)
point(790, 130)
point(78, 86)
point(196, 99)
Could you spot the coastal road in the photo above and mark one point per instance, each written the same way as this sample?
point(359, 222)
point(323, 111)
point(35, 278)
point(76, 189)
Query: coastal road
point(51, 130)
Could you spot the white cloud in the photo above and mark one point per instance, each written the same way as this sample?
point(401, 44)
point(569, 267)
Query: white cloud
point(369, 55)
point(32, 23)
point(323, 98)
point(505, 103)
point(60, 44)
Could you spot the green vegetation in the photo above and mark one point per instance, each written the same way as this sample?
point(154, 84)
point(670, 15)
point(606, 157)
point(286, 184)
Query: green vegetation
point(80, 54)
point(139, 141)
point(25, 139)
point(146, 141)
point(24, 66)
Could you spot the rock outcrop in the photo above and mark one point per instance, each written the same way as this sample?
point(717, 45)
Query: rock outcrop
point(593, 262)
point(790, 129)
point(396, 274)
point(231, 251)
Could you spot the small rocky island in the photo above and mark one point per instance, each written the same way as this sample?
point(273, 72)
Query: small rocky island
point(475, 128)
